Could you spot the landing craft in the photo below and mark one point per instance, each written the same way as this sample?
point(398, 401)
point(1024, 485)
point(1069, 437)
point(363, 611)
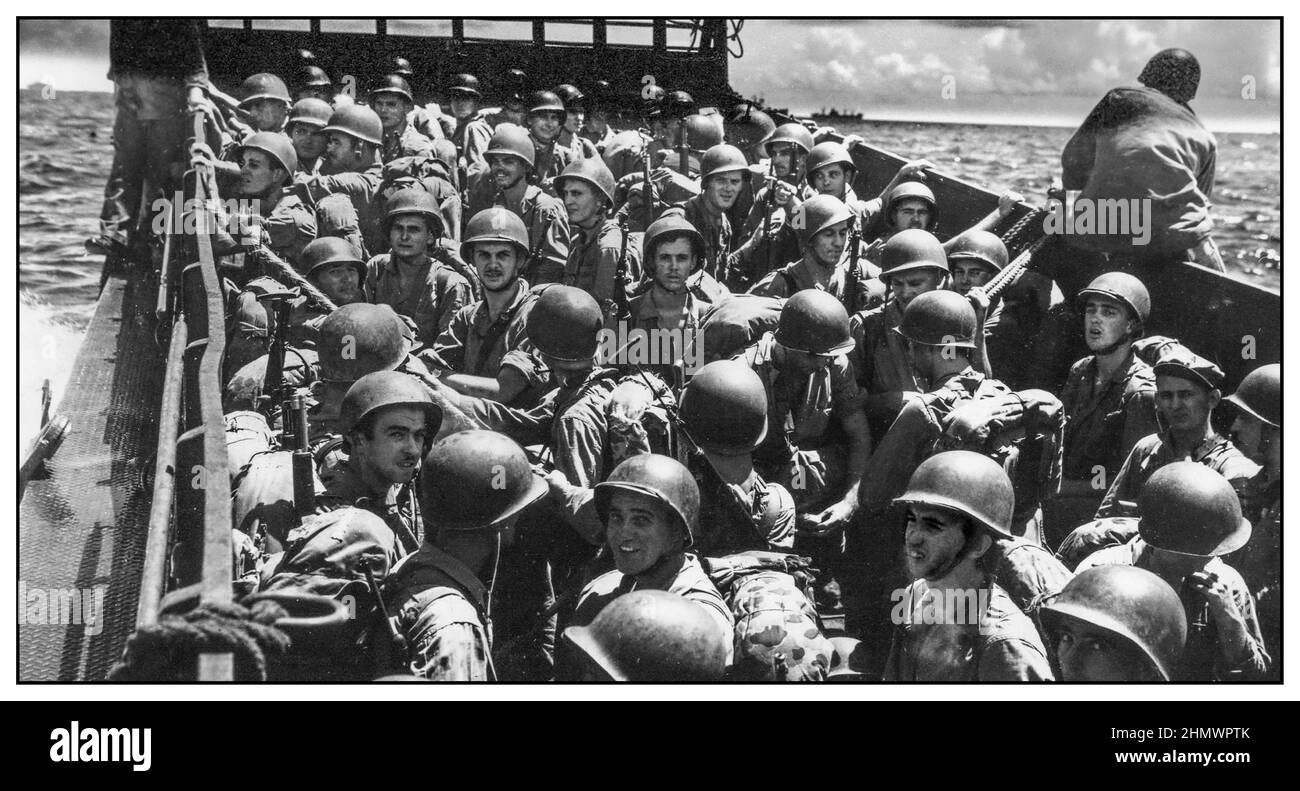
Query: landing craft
point(118, 503)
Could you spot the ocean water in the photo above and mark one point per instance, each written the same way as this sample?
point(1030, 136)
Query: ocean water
point(65, 151)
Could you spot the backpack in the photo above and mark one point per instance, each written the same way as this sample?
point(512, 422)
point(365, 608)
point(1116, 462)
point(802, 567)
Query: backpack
point(736, 322)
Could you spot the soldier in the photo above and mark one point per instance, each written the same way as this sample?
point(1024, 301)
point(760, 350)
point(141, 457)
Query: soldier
point(485, 350)
point(597, 247)
point(313, 83)
point(473, 132)
point(514, 106)
point(1109, 399)
point(1187, 391)
point(333, 266)
point(1117, 624)
point(266, 165)
point(958, 503)
point(974, 257)
point(668, 185)
point(650, 507)
point(823, 224)
point(1257, 431)
point(307, 119)
point(265, 99)
point(776, 202)
point(545, 121)
point(723, 172)
point(412, 279)
point(1191, 517)
point(724, 414)
point(596, 130)
point(575, 115)
point(510, 158)
point(912, 263)
point(911, 204)
point(344, 192)
point(475, 485)
point(649, 636)
point(391, 100)
point(388, 421)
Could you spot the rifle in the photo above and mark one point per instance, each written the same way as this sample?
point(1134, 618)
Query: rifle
point(647, 189)
point(531, 263)
point(683, 150)
point(304, 488)
point(999, 282)
point(855, 291)
point(619, 308)
point(277, 306)
point(767, 215)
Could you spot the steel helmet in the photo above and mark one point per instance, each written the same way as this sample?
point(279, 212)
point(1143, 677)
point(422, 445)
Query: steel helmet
point(1134, 605)
point(817, 214)
point(814, 322)
point(723, 158)
point(402, 66)
point(476, 480)
point(795, 134)
point(824, 154)
point(393, 83)
point(414, 200)
point(1174, 72)
point(592, 171)
point(979, 246)
point(652, 100)
point(1260, 394)
point(381, 389)
point(667, 228)
point(465, 83)
point(911, 190)
point(263, 86)
point(544, 101)
point(495, 224)
point(311, 75)
point(724, 408)
point(1189, 509)
point(511, 140)
point(653, 635)
point(702, 132)
point(275, 145)
point(1124, 289)
point(312, 112)
point(359, 339)
point(912, 249)
point(357, 121)
point(967, 482)
point(570, 96)
point(564, 324)
point(662, 478)
point(939, 318)
point(748, 126)
point(328, 250)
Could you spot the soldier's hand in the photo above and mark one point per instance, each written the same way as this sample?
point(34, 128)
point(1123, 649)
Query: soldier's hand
point(782, 193)
point(1216, 595)
point(1007, 201)
point(201, 154)
point(913, 168)
point(979, 300)
point(827, 521)
point(851, 140)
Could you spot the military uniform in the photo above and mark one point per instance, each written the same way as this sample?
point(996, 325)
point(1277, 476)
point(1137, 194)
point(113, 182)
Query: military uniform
point(396, 506)
point(550, 160)
point(593, 260)
point(405, 142)
point(688, 581)
point(1103, 423)
point(440, 607)
point(472, 137)
point(476, 344)
point(599, 141)
point(1004, 646)
point(579, 146)
point(737, 517)
point(1152, 452)
point(290, 226)
point(360, 188)
point(436, 294)
point(1201, 661)
point(1260, 561)
point(799, 444)
point(648, 316)
point(716, 230)
point(881, 363)
point(546, 219)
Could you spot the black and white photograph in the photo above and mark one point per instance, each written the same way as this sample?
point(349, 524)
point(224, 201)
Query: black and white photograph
point(705, 353)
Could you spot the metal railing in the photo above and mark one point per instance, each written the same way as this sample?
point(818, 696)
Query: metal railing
point(189, 539)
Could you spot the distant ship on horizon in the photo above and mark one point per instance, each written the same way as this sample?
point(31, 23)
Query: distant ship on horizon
point(838, 115)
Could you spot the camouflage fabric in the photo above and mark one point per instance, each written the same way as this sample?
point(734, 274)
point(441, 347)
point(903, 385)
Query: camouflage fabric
point(776, 631)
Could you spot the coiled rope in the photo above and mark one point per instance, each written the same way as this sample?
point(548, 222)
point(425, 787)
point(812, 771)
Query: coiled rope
point(169, 649)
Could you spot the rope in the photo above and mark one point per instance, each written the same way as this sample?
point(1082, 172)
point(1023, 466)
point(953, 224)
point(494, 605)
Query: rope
point(169, 649)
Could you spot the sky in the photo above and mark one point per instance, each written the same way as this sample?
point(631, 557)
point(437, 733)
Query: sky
point(991, 71)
